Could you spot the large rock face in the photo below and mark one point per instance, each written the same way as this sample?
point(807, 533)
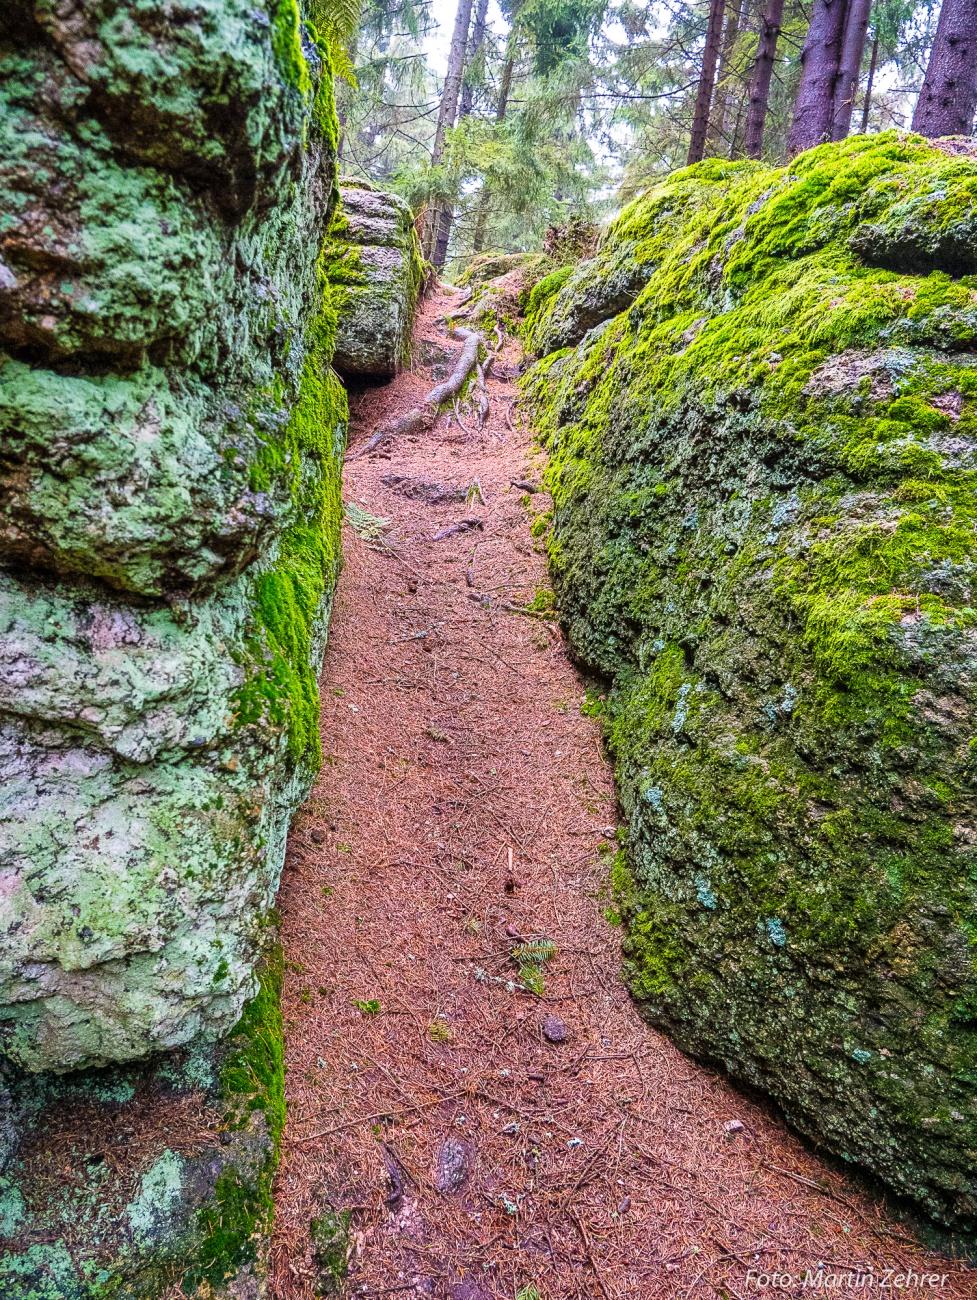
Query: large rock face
point(170, 441)
point(765, 535)
point(126, 1177)
point(378, 263)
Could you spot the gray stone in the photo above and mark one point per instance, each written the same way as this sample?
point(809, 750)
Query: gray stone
point(170, 443)
point(453, 1164)
point(381, 271)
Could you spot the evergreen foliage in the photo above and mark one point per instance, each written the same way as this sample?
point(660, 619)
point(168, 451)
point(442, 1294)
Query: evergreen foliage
point(574, 105)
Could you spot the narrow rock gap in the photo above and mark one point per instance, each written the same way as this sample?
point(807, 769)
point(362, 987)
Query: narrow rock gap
point(453, 1132)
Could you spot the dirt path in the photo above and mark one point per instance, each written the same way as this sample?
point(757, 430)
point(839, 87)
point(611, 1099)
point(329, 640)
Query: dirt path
point(465, 804)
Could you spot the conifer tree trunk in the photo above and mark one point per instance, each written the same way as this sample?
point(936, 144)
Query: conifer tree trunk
point(474, 49)
point(719, 118)
point(948, 100)
point(868, 89)
point(820, 59)
point(501, 107)
point(759, 98)
point(707, 81)
point(850, 66)
point(435, 235)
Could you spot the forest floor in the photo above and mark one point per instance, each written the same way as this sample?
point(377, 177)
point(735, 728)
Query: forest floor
point(465, 805)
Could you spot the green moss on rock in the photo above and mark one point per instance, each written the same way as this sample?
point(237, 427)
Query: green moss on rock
point(765, 535)
point(376, 265)
point(172, 436)
point(330, 1235)
point(130, 1179)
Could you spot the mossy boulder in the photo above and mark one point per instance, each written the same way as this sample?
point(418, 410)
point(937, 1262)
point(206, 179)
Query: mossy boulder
point(764, 475)
point(170, 446)
point(489, 266)
point(594, 291)
point(129, 1179)
point(378, 262)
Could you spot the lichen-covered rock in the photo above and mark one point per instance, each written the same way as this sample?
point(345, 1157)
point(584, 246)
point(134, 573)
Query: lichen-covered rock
point(378, 263)
point(127, 1178)
point(765, 534)
point(170, 443)
point(590, 293)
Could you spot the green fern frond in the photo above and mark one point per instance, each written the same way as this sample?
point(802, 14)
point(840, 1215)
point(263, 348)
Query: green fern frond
point(337, 20)
point(368, 526)
point(535, 952)
point(532, 956)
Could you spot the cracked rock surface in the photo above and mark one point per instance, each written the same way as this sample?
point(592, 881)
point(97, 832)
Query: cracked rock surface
point(381, 270)
point(170, 440)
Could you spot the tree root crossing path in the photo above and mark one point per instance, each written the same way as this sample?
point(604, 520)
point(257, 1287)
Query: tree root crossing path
point(467, 1076)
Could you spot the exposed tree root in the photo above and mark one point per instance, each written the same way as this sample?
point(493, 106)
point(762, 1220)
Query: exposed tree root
point(463, 526)
point(422, 418)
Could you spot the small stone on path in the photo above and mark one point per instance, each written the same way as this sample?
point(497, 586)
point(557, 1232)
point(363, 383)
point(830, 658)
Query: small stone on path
point(453, 1165)
point(554, 1030)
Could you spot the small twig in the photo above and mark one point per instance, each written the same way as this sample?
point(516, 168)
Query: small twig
point(512, 609)
point(463, 526)
point(470, 571)
point(414, 636)
point(508, 415)
point(380, 1114)
point(832, 1195)
point(590, 1254)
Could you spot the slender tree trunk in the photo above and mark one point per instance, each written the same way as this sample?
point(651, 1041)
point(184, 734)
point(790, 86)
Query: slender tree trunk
point(819, 71)
point(446, 214)
point(446, 120)
point(505, 85)
point(452, 81)
point(342, 99)
point(707, 80)
point(733, 110)
point(850, 66)
point(948, 100)
point(501, 108)
point(445, 218)
point(756, 117)
point(868, 89)
point(474, 49)
point(717, 119)
point(734, 132)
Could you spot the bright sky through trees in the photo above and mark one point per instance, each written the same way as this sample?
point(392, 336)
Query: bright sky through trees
point(567, 108)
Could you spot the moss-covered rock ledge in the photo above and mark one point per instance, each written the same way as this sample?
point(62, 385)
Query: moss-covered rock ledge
point(764, 473)
point(171, 440)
